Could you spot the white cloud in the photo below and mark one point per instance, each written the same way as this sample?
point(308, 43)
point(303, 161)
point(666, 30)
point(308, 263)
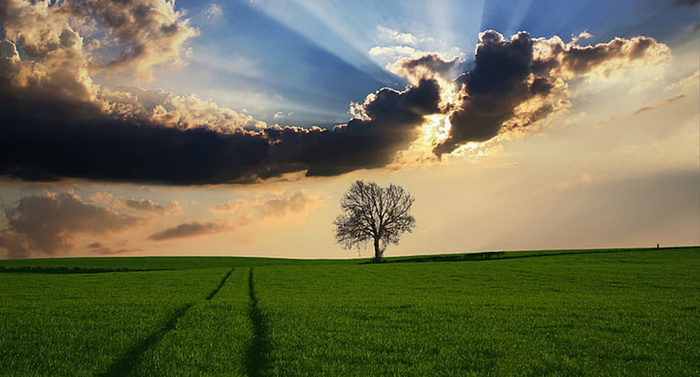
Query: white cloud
point(213, 12)
point(394, 36)
point(393, 51)
point(683, 83)
point(395, 45)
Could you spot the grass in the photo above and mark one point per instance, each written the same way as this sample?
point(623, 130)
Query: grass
point(210, 339)
point(628, 314)
point(565, 313)
point(83, 324)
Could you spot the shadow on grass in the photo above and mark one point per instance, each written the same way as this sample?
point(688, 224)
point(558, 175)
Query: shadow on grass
point(125, 365)
point(259, 350)
point(441, 258)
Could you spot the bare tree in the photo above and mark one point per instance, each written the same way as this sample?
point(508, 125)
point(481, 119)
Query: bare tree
point(374, 213)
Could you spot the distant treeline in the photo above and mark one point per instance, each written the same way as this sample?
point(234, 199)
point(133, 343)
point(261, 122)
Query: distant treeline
point(72, 270)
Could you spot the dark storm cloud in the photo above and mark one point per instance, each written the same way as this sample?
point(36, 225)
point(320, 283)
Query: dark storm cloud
point(42, 225)
point(690, 3)
point(105, 148)
point(495, 86)
point(392, 123)
point(518, 81)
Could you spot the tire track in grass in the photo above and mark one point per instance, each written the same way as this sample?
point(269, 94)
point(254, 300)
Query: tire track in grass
point(258, 352)
point(221, 285)
point(125, 365)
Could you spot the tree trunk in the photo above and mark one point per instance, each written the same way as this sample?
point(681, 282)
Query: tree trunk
point(377, 251)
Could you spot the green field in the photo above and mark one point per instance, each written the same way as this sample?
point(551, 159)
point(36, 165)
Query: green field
point(595, 312)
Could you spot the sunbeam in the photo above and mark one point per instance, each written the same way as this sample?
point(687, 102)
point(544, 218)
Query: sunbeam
point(331, 30)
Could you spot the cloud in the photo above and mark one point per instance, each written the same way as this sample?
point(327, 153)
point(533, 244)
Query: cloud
point(151, 32)
point(145, 34)
point(659, 103)
point(232, 206)
point(427, 66)
point(100, 249)
point(213, 12)
point(147, 205)
point(148, 136)
point(295, 204)
point(192, 229)
point(392, 51)
point(690, 3)
point(685, 82)
point(388, 121)
point(395, 45)
point(394, 36)
point(129, 134)
point(48, 224)
point(56, 66)
point(140, 205)
point(103, 198)
point(518, 81)
point(171, 110)
point(59, 38)
point(109, 148)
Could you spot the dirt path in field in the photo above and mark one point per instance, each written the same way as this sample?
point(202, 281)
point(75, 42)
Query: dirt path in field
point(257, 356)
point(125, 365)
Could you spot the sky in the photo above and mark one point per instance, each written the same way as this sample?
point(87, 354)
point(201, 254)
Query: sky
point(233, 128)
